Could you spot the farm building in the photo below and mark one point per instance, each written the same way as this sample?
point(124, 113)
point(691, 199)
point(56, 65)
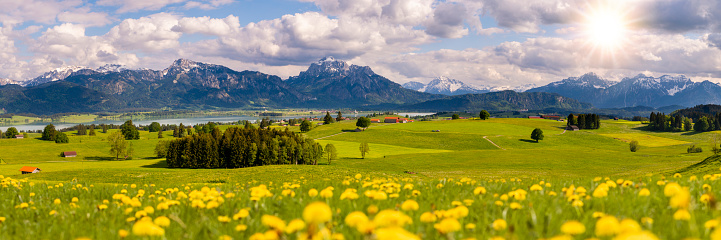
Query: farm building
point(375, 120)
point(70, 154)
point(391, 120)
point(535, 117)
point(26, 170)
point(572, 128)
point(19, 136)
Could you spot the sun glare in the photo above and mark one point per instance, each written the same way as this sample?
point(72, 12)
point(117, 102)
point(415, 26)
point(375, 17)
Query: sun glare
point(606, 29)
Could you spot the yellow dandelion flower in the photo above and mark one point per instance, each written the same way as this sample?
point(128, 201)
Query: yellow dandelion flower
point(711, 224)
point(428, 217)
point(295, 226)
point(241, 227)
point(573, 228)
point(682, 214)
point(499, 225)
point(122, 233)
point(515, 205)
point(257, 236)
point(312, 192)
point(393, 233)
point(629, 225)
point(372, 209)
point(224, 219)
point(243, 213)
point(671, 189)
point(410, 205)
point(356, 218)
point(470, 226)
point(147, 228)
point(607, 226)
point(225, 237)
point(447, 225)
point(479, 191)
point(598, 214)
point(391, 218)
point(645, 235)
point(647, 220)
point(644, 192)
point(273, 222)
point(57, 201)
point(162, 221)
point(317, 212)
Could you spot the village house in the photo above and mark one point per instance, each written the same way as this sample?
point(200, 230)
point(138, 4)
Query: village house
point(391, 120)
point(572, 128)
point(70, 154)
point(552, 117)
point(19, 136)
point(26, 170)
point(375, 121)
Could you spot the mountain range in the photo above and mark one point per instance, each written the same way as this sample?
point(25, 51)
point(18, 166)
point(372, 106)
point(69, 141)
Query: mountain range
point(640, 90)
point(447, 86)
point(185, 84)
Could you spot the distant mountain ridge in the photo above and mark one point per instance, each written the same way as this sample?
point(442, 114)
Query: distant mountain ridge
point(446, 86)
point(640, 90)
point(190, 84)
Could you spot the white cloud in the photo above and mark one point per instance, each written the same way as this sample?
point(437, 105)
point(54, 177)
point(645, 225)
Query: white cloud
point(207, 4)
point(84, 17)
point(137, 5)
point(148, 34)
point(208, 26)
point(39, 11)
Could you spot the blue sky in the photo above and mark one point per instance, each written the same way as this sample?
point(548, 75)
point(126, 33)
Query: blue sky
point(481, 42)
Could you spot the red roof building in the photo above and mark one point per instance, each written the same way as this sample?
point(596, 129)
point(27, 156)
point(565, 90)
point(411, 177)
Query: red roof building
point(391, 120)
point(535, 117)
point(70, 154)
point(26, 170)
point(375, 120)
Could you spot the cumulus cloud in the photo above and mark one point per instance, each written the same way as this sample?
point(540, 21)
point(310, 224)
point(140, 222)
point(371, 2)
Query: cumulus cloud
point(208, 26)
point(39, 11)
point(207, 5)
point(148, 34)
point(85, 17)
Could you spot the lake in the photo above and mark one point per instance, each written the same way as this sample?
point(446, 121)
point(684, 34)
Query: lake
point(176, 121)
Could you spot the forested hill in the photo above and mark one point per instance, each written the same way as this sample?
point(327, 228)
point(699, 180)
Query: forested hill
point(505, 100)
point(708, 110)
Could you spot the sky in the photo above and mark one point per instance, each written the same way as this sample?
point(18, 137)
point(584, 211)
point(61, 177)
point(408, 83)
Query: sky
point(481, 42)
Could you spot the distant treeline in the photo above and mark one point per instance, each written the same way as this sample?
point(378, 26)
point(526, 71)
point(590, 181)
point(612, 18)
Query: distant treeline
point(584, 121)
point(242, 147)
point(695, 113)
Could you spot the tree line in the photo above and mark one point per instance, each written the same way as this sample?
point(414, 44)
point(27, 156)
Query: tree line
point(584, 121)
point(242, 147)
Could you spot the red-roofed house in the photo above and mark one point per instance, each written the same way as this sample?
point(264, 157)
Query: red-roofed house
point(70, 154)
point(19, 136)
point(26, 170)
point(553, 117)
point(375, 120)
point(391, 120)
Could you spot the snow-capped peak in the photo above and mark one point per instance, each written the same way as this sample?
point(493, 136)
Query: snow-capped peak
point(111, 68)
point(5, 81)
point(54, 75)
point(327, 59)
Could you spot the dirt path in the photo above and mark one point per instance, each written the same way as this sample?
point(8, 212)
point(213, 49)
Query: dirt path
point(330, 136)
point(494, 144)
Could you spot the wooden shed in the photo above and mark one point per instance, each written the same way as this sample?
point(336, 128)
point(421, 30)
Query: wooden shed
point(19, 136)
point(26, 170)
point(70, 154)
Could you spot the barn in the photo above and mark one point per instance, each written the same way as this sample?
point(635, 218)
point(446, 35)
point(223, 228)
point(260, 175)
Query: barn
point(70, 154)
point(391, 120)
point(26, 170)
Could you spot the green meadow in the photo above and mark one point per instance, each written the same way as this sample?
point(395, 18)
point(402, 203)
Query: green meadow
point(460, 148)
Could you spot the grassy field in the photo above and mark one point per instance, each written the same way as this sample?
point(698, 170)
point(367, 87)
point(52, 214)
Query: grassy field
point(464, 180)
point(462, 148)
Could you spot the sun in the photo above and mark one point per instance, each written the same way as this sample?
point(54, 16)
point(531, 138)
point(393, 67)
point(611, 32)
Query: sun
point(606, 28)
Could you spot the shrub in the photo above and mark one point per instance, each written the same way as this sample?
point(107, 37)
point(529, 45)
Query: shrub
point(694, 149)
point(633, 146)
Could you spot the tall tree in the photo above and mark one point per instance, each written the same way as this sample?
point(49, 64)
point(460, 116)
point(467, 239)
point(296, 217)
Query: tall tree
point(363, 122)
point(687, 124)
point(701, 125)
point(581, 121)
point(11, 132)
point(330, 152)
point(61, 137)
point(328, 119)
point(105, 128)
point(82, 130)
point(49, 133)
point(129, 131)
point(305, 126)
point(364, 148)
point(92, 130)
point(175, 132)
point(339, 117)
point(570, 120)
point(160, 133)
point(154, 127)
point(484, 115)
point(181, 130)
point(537, 134)
point(455, 116)
point(118, 145)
